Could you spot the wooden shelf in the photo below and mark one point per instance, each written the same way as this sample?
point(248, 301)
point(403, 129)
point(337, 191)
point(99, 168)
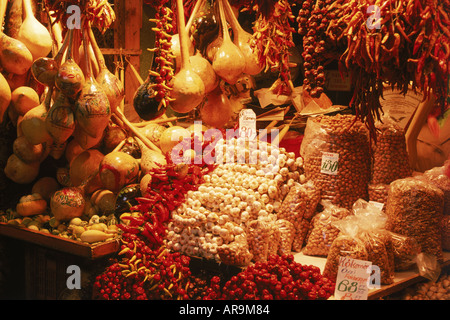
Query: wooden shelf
point(77, 248)
point(402, 280)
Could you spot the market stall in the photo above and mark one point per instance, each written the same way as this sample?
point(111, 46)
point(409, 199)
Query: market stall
point(224, 150)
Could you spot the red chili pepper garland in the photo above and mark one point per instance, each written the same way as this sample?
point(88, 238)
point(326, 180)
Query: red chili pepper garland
point(162, 70)
point(271, 41)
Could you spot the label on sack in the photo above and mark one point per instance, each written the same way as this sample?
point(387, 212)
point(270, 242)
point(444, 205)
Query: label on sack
point(352, 281)
point(247, 124)
point(330, 163)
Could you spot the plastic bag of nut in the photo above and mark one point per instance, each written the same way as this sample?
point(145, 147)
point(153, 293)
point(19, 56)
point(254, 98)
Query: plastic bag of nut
point(371, 224)
point(287, 233)
point(336, 154)
point(236, 253)
point(405, 249)
point(437, 177)
point(445, 230)
point(415, 208)
point(258, 236)
point(298, 207)
point(323, 231)
point(347, 244)
point(379, 193)
point(390, 158)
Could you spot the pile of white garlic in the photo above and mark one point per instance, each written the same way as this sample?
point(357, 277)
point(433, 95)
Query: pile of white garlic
point(439, 290)
point(249, 183)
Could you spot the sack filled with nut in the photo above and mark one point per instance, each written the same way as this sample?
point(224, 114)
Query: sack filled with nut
point(323, 231)
point(437, 177)
point(297, 207)
point(336, 152)
point(287, 232)
point(390, 157)
point(405, 249)
point(236, 253)
point(346, 244)
point(415, 208)
point(258, 236)
point(445, 231)
point(379, 193)
point(371, 224)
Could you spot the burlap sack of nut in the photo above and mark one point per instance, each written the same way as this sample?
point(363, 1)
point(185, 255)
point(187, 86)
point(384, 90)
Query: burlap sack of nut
point(346, 140)
point(390, 158)
point(415, 208)
point(323, 231)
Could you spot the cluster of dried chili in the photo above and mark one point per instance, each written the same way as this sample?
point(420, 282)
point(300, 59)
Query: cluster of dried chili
point(99, 12)
point(162, 70)
point(271, 41)
point(143, 273)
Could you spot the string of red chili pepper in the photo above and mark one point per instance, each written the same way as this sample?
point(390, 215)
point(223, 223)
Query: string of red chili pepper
point(162, 70)
point(271, 40)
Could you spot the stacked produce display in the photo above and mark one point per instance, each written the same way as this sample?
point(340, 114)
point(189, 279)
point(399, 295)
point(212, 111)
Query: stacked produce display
point(185, 184)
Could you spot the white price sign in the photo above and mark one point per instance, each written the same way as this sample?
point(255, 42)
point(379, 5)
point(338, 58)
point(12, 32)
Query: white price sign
point(330, 163)
point(247, 124)
point(352, 282)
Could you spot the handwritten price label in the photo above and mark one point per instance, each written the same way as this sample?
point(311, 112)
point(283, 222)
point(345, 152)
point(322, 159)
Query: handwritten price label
point(247, 124)
point(352, 279)
point(330, 163)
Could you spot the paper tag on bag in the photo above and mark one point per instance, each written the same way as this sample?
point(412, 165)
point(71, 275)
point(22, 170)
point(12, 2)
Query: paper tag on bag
point(330, 163)
point(352, 279)
point(247, 124)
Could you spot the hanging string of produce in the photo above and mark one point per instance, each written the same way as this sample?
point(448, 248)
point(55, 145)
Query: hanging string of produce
point(99, 12)
point(271, 41)
point(397, 44)
point(152, 97)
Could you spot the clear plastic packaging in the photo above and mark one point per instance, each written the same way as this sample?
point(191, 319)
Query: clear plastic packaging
point(258, 236)
point(415, 209)
point(323, 231)
point(336, 152)
point(406, 250)
point(347, 244)
point(287, 233)
point(437, 177)
point(390, 157)
point(297, 207)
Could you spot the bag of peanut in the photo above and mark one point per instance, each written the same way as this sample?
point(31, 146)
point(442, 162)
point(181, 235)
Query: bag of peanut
point(415, 208)
point(323, 231)
point(379, 193)
point(287, 234)
point(406, 250)
point(377, 240)
point(346, 244)
point(336, 154)
point(437, 177)
point(390, 157)
point(298, 207)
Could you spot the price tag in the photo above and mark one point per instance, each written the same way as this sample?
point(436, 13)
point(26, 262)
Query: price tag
point(377, 205)
point(330, 163)
point(352, 279)
point(247, 124)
